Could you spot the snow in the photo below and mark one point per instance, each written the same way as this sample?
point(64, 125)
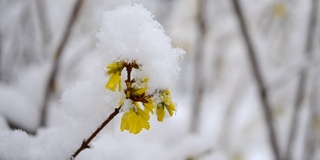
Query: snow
point(86, 104)
point(130, 33)
point(21, 100)
point(231, 122)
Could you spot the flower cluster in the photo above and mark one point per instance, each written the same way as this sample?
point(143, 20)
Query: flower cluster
point(137, 105)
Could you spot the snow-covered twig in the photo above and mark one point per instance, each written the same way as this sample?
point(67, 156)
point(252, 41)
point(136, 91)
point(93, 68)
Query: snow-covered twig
point(85, 143)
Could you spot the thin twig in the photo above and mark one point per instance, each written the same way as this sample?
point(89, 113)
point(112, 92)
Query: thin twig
point(302, 81)
point(0, 56)
point(310, 138)
point(269, 119)
point(53, 73)
point(44, 22)
point(198, 73)
point(85, 144)
point(226, 127)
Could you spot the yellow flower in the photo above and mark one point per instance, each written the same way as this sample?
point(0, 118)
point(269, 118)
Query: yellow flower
point(166, 103)
point(160, 113)
point(114, 71)
point(170, 108)
point(138, 91)
point(149, 106)
point(135, 120)
point(114, 81)
point(115, 67)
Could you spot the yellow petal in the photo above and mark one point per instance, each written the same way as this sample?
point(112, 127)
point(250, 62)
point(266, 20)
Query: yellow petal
point(115, 67)
point(112, 65)
point(170, 108)
point(148, 107)
point(121, 101)
point(145, 124)
point(143, 114)
point(132, 121)
point(145, 80)
point(120, 86)
point(160, 113)
point(112, 68)
point(114, 80)
point(138, 126)
point(124, 122)
point(139, 91)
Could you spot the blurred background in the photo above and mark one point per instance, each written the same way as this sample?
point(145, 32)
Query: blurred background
point(248, 89)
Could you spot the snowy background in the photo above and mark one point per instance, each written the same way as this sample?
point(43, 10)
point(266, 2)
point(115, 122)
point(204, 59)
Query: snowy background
point(48, 47)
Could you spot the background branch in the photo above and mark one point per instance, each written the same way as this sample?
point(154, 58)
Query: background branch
point(198, 82)
point(311, 134)
point(302, 80)
point(44, 22)
point(51, 85)
point(263, 95)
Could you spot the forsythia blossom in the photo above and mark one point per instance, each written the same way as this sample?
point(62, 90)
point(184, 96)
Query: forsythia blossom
point(114, 70)
point(135, 119)
point(141, 64)
point(165, 103)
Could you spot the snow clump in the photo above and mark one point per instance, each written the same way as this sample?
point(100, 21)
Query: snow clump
point(130, 33)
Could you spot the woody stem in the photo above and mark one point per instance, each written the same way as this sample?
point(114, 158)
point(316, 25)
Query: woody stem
point(85, 143)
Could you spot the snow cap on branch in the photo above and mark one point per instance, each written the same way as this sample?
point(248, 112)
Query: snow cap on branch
point(130, 33)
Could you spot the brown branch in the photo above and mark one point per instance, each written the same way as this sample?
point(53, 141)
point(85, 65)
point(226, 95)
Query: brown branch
point(85, 143)
point(57, 57)
point(302, 81)
point(263, 94)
